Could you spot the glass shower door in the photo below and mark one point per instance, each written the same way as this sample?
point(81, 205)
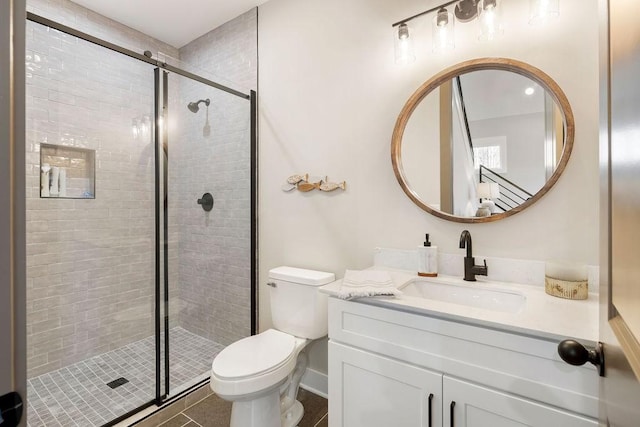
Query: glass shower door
point(209, 225)
point(140, 227)
point(90, 231)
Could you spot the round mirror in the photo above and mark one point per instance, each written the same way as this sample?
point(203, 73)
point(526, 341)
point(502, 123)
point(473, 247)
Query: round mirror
point(482, 140)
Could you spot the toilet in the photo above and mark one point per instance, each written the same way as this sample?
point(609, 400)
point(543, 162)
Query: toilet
point(260, 374)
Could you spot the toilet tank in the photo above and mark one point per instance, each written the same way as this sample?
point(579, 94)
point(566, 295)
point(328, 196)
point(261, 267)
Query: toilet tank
point(297, 307)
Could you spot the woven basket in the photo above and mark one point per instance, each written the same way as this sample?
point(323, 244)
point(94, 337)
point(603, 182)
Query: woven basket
point(566, 288)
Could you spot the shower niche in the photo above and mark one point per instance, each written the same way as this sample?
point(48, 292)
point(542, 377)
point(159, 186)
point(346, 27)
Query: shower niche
point(67, 172)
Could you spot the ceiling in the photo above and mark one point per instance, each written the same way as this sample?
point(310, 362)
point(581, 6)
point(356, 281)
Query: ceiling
point(495, 93)
point(176, 22)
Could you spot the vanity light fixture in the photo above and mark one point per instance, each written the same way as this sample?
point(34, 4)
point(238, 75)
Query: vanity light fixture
point(489, 17)
point(487, 12)
point(403, 44)
point(443, 31)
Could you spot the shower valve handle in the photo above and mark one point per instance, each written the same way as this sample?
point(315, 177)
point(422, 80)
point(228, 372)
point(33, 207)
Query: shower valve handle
point(206, 202)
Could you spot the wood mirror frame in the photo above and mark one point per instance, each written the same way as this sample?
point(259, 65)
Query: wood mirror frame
point(503, 64)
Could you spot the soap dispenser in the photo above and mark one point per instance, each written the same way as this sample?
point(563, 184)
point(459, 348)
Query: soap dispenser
point(427, 259)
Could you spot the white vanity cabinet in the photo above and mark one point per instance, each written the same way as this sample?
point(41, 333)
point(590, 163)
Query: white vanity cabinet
point(376, 391)
point(471, 405)
point(393, 368)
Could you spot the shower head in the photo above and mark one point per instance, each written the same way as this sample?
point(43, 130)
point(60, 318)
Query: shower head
point(193, 106)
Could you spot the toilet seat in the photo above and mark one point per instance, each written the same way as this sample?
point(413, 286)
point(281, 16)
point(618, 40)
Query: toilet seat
point(255, 363)
point(254, 355)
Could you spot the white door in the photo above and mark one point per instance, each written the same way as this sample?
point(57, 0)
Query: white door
point(375, 391)
point(12, 249)
point(469, 405)
point(620, 213)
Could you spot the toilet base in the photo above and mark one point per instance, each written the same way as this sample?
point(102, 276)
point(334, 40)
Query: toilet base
point(292, 417)
point(263, 411)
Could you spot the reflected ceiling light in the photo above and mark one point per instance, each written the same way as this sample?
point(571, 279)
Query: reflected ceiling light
point(487, 12)
point(529, 91)
point(541, 11)
point(403, 45)
point(140, 127)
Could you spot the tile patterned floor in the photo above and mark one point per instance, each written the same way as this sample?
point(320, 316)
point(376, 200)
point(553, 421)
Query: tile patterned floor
point(215, 412)
point(77, 395)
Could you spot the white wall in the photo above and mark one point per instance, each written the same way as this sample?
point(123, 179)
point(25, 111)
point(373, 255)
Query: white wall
point(525, 135)
point(329, 97)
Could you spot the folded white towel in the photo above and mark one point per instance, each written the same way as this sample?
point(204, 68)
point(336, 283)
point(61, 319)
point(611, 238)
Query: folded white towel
point(366, 283)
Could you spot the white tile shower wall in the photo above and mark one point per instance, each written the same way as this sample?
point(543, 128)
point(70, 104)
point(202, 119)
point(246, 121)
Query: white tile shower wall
point(90, 262)
point(229, 52)
point(214, 247)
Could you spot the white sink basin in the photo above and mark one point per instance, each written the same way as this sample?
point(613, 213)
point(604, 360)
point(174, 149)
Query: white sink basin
point(472, 295)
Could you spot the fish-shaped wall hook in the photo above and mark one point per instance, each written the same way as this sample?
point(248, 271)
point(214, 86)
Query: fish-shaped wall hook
point(305, 183)
point(305, 186)
point(330, 186)
point(294, 179)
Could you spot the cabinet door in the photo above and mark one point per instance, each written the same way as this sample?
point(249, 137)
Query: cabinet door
point(477, 406)
point(368, 390)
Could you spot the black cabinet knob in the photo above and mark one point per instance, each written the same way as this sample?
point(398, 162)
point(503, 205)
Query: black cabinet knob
point(574, 353)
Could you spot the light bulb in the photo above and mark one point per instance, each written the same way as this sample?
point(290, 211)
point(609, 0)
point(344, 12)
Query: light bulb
point(442, 18)
point(529, 91)
point(542, 10)
point(443, 31)
point(489, 18)
point(403, 45)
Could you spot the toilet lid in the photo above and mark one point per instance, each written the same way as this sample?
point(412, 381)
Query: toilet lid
point(254, 355)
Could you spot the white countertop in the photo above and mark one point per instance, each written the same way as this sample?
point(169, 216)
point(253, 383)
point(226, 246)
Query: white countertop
point(542, 315)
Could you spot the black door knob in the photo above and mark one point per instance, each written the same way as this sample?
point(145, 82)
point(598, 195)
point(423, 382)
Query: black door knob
point(11, 408)
point(574, 353)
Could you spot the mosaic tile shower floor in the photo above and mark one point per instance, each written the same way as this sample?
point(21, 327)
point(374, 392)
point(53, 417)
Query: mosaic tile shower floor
point(78, 395)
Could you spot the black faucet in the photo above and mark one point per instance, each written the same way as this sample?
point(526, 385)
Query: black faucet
point(470, 267)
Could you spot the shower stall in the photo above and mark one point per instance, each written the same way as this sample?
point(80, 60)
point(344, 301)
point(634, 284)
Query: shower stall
point(141, 234)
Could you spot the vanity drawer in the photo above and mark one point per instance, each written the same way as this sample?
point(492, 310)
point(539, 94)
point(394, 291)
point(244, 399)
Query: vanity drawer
point(518, 364)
